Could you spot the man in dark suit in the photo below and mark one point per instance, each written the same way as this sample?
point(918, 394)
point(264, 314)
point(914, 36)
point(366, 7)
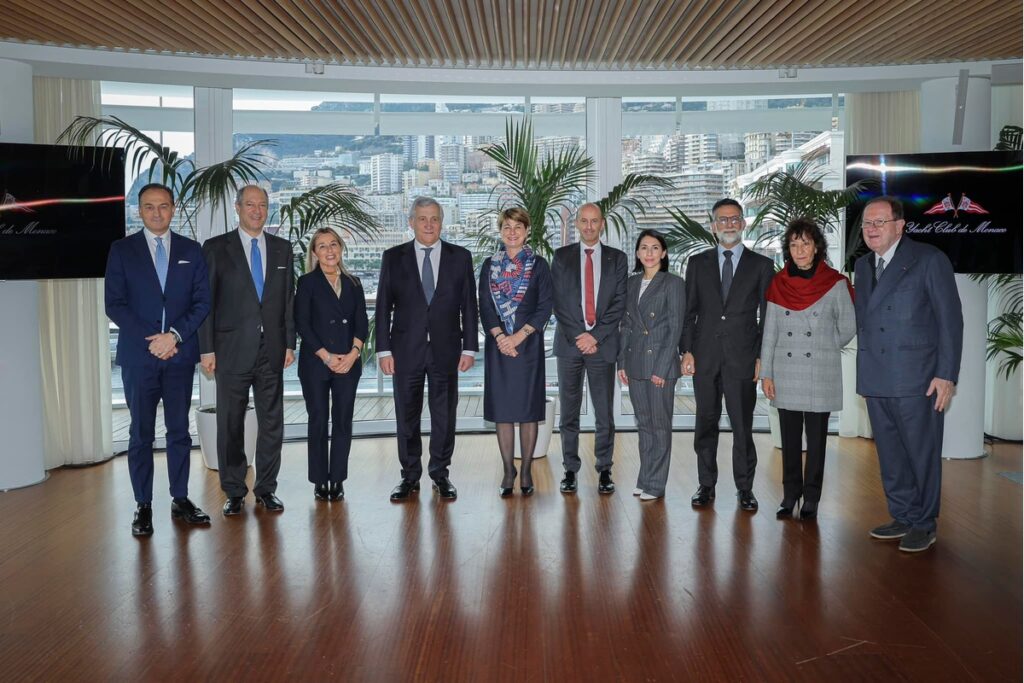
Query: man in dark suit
point(909, 339)
point(426, 318)
point(247, 341)
point(590, 290)
point(721, 345)
point(157, 294)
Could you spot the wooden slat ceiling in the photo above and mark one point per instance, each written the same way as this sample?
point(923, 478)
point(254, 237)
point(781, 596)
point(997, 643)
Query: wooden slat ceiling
point(535, 34)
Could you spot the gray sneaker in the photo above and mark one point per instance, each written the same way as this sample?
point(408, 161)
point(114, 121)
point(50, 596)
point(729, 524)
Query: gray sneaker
point(891, 531)
point(917, 540)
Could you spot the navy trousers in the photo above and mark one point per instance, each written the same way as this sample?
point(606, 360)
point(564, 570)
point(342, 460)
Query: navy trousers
point(908, 438)
point(144, 387)
point(321, 390)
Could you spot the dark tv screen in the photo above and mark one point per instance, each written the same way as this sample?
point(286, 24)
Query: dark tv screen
point(60, 210)
point(968, 204)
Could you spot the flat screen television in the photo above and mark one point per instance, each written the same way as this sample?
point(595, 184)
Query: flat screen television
point(968, 204)
point(60, 210)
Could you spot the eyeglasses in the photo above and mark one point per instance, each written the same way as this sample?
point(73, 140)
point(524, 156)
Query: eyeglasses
point(729, 220)
point(878, 223)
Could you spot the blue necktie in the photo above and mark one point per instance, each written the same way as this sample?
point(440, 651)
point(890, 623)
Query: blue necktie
point(161, 262)
point(427, 275)
point(161, 274)
point(257, 268)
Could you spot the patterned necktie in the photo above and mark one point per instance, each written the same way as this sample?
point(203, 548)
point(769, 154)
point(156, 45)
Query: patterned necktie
point(879, 267)
point(427, 275)
point(726, 275)
point(256, 265)
point(590, 311)
point(161, 262)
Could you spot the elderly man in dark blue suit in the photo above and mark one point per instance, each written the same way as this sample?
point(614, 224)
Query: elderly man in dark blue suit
point(157, 294)
point(909, 339)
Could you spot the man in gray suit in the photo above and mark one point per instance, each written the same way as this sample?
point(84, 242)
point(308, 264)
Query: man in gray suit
point(909, 340)
point(590, 290)
point(721, 346)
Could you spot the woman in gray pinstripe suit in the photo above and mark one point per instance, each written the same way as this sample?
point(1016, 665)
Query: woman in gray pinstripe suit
point(649, 357)
point(810, 319)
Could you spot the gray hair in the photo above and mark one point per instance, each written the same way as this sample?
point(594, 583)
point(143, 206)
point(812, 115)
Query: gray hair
point(423, 202)
point(241, 193)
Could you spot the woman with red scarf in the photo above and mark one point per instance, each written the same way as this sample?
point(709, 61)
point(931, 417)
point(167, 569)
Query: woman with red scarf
point(515, 304)
point(810, 319)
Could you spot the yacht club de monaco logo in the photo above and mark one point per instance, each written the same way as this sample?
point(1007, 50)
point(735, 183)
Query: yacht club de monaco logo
point(966, 205)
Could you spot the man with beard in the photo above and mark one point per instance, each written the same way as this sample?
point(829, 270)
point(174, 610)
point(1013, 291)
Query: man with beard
point(720, 344)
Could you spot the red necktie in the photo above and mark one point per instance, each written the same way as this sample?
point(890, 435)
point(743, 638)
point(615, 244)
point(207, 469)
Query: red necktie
point(589, 310)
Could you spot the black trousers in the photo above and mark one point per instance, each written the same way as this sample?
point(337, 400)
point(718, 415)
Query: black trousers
point(267, 383)
point(443, 400)
point(601, 378)
point(331, 396)
point(709, 386)
point(803, 482)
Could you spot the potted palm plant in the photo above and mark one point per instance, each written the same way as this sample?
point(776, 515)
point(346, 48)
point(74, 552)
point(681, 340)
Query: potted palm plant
point(211, 187)
point(545, 185)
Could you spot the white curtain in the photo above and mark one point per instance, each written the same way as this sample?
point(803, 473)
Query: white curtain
point(876, 122)
point(73, 333)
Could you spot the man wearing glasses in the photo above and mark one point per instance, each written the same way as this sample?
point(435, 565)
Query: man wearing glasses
point(720, 344)
point(909, 339)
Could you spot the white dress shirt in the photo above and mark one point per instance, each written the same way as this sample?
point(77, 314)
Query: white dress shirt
point(247, 248)
point(596, 256)
point(890, 252)
point(151, 243)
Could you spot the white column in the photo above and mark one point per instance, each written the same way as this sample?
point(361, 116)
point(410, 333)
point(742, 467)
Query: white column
point(21, 398)
point(965, 421)
point(604, 145)
point(214, 131)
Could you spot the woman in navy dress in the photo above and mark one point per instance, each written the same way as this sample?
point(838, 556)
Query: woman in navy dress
point(515, 305)
point(330, 316)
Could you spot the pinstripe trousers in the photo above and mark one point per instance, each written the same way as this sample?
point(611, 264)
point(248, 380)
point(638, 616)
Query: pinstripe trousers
point(653, 409)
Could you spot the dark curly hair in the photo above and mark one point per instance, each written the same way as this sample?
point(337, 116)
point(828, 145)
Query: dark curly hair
point(808, 229)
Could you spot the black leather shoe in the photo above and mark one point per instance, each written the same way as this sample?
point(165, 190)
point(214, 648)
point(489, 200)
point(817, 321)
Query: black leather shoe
point(142, 524)
point(809, 510)
point(703, 496)
point(337, 491)
point(505, 491)
point(445, 489)
point(786, 509)
point(271, 502)
point(322, 492)
point(404, 489)
point(605, 483)
point(568, 484)
point(527, 490)
point(183, 508)
point(233, 506)
point(747, 500)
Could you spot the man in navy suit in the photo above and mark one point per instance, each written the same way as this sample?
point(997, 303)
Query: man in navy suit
point(909, 339)
point(426, 321)
point(157, 294)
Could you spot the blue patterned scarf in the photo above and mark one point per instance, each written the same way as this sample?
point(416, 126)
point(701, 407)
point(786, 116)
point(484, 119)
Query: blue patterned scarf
point(510, 278)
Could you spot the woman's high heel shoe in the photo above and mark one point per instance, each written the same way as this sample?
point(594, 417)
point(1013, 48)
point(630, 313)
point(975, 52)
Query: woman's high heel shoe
point(510, 477)
point(809, 510)
point(505, 491)
point(526, 490)
point(322, 492)
point(787, 509)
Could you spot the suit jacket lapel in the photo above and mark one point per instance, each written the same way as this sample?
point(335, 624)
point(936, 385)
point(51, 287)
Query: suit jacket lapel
point(739, 274)
point(235, 246)
point(142, 251)
point(606, 287)
point(893, 273)
point(411, 266)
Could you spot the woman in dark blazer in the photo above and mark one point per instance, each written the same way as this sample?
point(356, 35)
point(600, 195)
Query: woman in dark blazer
point(649, 357)
point(810, 319)
point(515, 304)
point(330, 316)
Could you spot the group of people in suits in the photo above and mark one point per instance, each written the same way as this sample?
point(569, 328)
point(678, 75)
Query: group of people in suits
point(732, 322)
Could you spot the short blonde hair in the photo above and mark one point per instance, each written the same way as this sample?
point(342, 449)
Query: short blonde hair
point(313, 262)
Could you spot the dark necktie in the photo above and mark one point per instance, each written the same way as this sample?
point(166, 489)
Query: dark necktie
point(427, 275)
point(726, 275)
point(879, 267)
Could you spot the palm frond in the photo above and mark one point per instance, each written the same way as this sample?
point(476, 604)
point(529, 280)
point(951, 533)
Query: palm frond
point(687, 237)
point(1006, 338)
point(621, 204)
point(213, 185)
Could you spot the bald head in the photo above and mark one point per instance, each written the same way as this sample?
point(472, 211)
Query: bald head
point(590, 223)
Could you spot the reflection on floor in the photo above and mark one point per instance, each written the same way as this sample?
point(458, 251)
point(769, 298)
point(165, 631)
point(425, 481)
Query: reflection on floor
point(562, 588)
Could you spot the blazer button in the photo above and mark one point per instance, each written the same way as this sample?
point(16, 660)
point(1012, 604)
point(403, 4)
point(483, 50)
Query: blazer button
point(787, 312)
point(723, 317)
point(649, 351)
point(646, 332)
point(808, 334)
point(808, 354)
point(332, 322)
point(881, 329)
point(815, 314)
point(652, 315)
point(344, 321)
point(789, 334)
point(789, 354)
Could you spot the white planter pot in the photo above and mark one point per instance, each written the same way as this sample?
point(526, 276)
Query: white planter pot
point(206, 425)
point(544, 430)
